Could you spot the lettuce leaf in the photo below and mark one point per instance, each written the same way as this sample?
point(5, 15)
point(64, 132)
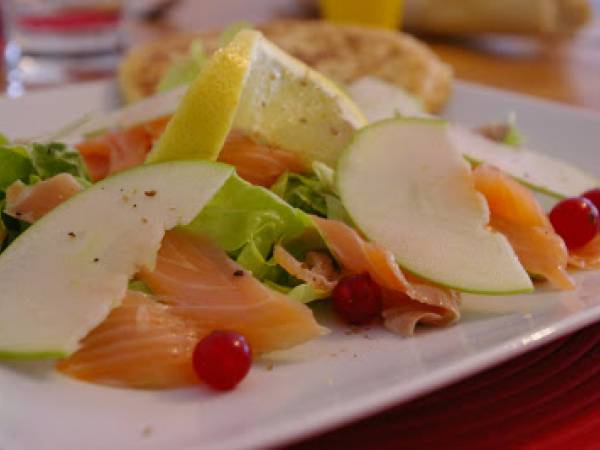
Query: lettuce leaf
point(139, 286)
point(185, 71)
point(229, 32)
point(326, 175)
point(31, 164)
point(246, 221)
point(187, 68)
point(10, 228)
point(36, 162)
point(337, 211)
point(54, 158)
point(505, 132)
point(304, 293)
point(303, 192)
point(15, 164)
point(513, 136)
point(313, 194)
point(3, 232)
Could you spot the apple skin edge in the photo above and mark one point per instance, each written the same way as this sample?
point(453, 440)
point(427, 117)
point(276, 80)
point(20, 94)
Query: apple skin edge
point(534, 187)
point(471, 291)
point(32, 356)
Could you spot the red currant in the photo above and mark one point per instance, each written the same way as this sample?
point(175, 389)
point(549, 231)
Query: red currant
point(576, 220)
point(222, 359)
point(594, 197)
point(357, 299)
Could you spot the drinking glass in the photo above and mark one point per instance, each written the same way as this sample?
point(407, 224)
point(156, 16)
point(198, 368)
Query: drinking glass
point(52, 41)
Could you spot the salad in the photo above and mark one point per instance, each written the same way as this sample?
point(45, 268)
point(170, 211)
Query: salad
point(182, 236)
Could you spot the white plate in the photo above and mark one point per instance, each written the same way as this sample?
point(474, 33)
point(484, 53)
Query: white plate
point(323, 383)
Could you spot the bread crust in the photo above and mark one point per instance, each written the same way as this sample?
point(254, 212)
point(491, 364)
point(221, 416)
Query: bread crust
point(342, 52)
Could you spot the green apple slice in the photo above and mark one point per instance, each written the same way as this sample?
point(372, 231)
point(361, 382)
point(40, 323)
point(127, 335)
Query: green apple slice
point(407, 187)
point(537, 171)
point(379, 100)
point(63, 275)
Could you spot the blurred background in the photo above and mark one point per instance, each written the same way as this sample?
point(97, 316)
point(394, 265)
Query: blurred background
point(549, 48)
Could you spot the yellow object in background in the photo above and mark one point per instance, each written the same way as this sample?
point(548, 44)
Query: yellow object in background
point(376, 13)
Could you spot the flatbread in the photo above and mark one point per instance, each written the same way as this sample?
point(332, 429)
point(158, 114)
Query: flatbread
point(344, 53)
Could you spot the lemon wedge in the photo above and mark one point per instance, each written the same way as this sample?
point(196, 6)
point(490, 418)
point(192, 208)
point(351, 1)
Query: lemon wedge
point(253, 86)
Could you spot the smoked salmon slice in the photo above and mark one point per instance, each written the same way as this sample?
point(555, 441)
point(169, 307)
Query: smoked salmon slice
point(515, 212)
point(29, 203)
point(256, 163)
point(148, 341)
point(317, 268)
point(141, 344)
point(207, 289)
point(407, 302)
point(120, 150)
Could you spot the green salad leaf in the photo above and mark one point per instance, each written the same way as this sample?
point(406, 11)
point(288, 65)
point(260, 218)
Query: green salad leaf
point(307, 293)
point(54, 158)
point(15, 164)
point(304, 292)
point(513, 136)
point(30, 164)
point(10, 228)
point(246, 221)
point(505, 132)
point(313, 194)
point(139, 286)
point(326, 175)
point(241, 212)
point(336, 210)
point(303, 192)
point(229, 32)
point(3, 232)
point(185, 70)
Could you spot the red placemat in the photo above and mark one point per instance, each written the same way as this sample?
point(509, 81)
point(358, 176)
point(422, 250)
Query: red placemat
point(547, 399)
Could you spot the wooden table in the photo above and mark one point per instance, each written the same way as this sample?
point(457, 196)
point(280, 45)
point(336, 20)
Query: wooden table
point(566, 71)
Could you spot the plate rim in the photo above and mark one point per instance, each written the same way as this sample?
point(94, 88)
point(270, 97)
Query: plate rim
point(391, 397)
